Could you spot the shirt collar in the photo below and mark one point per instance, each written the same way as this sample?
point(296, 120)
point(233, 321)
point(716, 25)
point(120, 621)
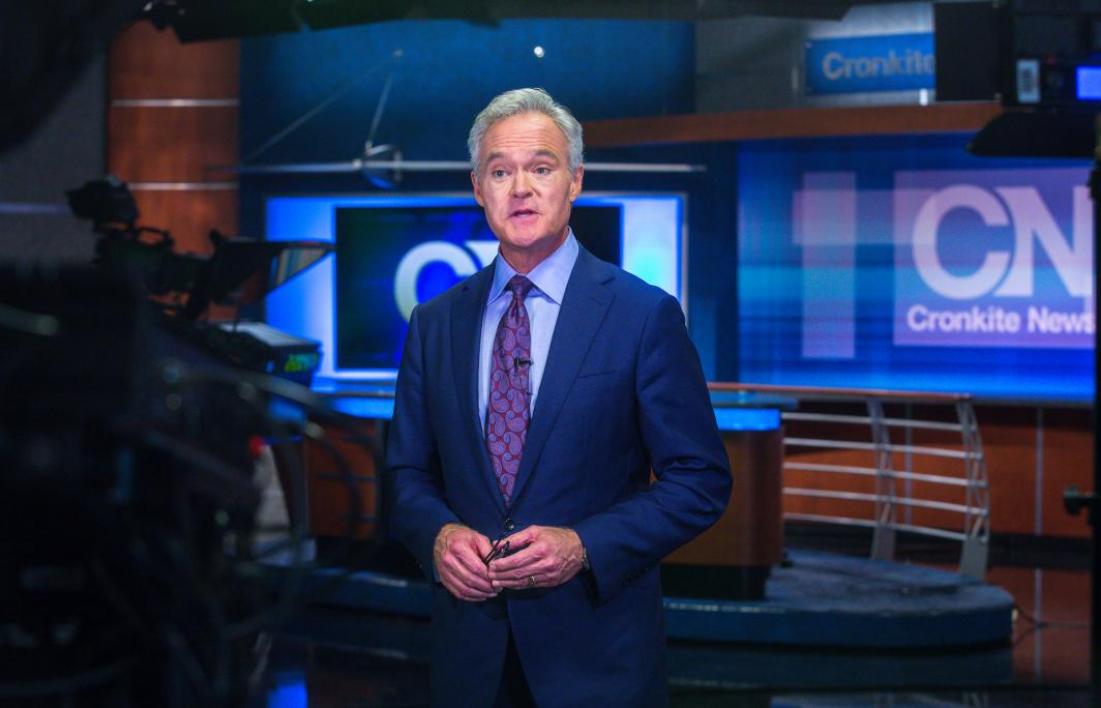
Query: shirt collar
point(549, 277)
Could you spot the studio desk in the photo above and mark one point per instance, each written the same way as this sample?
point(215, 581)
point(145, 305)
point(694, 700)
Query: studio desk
point(345, 495)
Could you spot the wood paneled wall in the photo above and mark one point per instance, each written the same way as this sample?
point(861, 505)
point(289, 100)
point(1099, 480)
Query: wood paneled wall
point(172, 120)
point(790, 123)
point(343, 482)
point(1033, 455)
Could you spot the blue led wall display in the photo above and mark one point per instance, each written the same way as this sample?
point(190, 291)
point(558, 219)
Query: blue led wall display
point(398, 250)
point(906, 263)
point(890, 62)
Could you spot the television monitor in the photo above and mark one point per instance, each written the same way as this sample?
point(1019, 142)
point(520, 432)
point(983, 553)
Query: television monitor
point(903, 262)
point(394, 251)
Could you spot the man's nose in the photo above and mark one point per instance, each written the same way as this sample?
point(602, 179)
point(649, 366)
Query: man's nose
point(521, 187)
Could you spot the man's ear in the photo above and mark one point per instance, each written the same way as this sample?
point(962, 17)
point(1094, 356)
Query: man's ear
point(477, 189)
point(575, 183)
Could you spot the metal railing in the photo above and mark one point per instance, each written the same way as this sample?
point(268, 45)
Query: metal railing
point(837, 436)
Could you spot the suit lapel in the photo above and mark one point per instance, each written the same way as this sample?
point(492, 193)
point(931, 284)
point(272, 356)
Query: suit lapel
point(466, 332)
point(584, 307)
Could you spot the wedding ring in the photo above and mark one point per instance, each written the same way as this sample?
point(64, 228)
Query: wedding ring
point(531, 581)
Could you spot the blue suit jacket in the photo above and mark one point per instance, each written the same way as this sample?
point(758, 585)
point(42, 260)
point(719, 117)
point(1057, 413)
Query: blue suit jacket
point(622, 393)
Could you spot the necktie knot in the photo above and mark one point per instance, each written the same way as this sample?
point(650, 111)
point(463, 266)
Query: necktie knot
point(520, 286)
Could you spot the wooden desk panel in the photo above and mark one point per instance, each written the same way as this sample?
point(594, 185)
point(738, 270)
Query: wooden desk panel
point(750, 533)
point(338, 495)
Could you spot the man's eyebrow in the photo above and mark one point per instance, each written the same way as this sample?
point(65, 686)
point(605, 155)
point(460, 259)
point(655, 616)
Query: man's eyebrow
point(538, 153)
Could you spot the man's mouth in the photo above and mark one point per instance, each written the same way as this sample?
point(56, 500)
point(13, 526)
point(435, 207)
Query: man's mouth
point(523, 212)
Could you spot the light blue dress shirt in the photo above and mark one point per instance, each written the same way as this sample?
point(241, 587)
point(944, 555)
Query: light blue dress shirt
point(542, 303)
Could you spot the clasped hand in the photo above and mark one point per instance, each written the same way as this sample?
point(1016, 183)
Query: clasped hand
point(540, 557)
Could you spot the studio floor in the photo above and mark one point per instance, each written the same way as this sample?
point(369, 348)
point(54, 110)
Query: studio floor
point(328, 656)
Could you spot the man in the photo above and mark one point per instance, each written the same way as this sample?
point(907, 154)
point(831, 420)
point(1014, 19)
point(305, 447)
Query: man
point(532, 403)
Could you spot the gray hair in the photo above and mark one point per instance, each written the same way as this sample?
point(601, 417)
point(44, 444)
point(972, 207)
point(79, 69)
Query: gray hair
point(526, 100)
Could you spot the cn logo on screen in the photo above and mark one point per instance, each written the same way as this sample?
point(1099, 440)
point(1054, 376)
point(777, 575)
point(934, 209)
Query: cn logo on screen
point(998, 258)
point(462, 260)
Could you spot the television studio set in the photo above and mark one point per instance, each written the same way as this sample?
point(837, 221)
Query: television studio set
point(559, 354)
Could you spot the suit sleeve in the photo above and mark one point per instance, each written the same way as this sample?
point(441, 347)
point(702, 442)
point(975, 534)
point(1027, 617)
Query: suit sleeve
point(418, 507)
point(678, 429)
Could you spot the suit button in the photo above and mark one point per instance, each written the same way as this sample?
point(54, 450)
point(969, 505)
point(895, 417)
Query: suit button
point(509, 525)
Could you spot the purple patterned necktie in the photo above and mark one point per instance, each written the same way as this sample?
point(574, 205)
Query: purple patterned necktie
point(507, 413)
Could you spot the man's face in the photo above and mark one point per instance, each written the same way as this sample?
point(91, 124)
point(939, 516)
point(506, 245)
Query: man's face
point(525, 186)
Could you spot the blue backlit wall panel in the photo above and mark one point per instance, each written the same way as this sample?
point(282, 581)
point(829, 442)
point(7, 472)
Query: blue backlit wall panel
point(442, 72)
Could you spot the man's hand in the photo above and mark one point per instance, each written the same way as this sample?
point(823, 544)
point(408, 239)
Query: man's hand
point(458, 553)
point(548, 557)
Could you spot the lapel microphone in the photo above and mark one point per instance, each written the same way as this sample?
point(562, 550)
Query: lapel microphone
point(517, 362)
